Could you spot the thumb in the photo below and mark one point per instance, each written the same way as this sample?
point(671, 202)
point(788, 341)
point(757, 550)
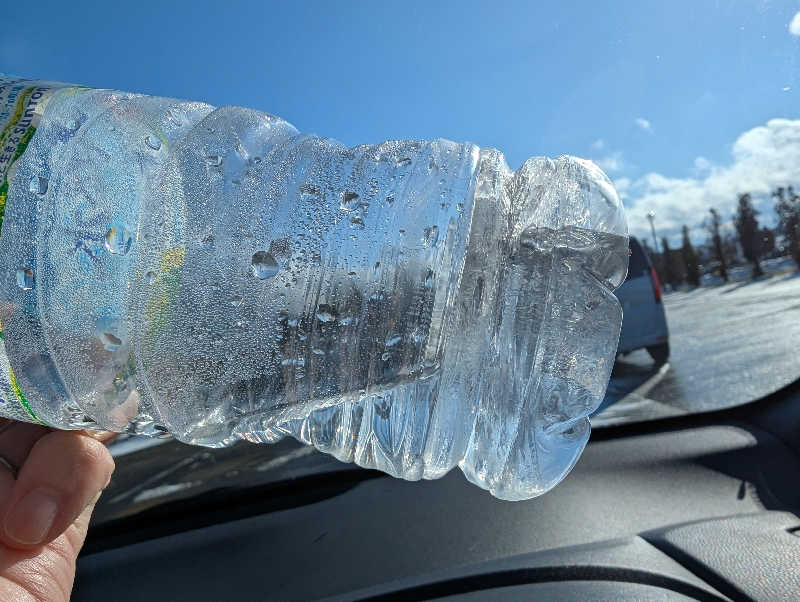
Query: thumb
point(62, 476)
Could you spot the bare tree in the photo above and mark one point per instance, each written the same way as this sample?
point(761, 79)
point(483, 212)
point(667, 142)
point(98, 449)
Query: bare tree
point(716, 242)
point(690, 259)
point(669, 272)
point(787, 206)
point(749, 235)
point(673, 264)
point(766, 240)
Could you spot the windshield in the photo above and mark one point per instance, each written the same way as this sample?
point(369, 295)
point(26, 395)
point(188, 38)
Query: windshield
point(690, 108)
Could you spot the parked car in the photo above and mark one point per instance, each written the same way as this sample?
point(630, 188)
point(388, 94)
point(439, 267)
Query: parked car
point(644, 323)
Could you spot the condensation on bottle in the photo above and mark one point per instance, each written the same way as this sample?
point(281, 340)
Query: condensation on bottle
point(410, 306)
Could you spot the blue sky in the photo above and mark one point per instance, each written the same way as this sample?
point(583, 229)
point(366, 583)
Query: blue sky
point(674, 99)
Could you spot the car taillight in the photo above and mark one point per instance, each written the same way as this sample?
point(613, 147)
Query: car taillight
point(656, 284)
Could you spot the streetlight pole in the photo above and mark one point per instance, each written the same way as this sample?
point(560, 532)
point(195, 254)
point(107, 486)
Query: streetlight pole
point(651, 217)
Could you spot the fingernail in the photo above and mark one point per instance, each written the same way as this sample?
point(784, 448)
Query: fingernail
point(31, 518)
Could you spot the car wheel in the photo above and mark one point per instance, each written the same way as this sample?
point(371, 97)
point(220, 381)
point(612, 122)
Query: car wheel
point(659, 353)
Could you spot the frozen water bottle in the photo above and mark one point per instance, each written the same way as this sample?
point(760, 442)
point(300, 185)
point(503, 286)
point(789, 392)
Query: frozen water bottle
point(215, 274)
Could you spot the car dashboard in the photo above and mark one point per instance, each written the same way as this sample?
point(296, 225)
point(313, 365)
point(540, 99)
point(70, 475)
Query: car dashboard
point(692, 507)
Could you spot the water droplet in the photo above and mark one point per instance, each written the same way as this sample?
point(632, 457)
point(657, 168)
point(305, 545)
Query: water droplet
point(418, 336)
point(404, 162)
point(111, 342)
point(174, 118)
point(325, 313)
point(264, 265)
point(294, 362)
point(430, 236)
point(256, 160)
point(460, 207)
point(352, 275)
point(347, 320)
point(377, 266)
point(390, 199)
point(38, 185)
point(317, 352)
point(293, 322)
point(213, 160)
point(215, 286)
point(394, 341)
point(25, 278)
point(153, 142)
point(207, 239)
point(311, 189)
point(150, 277)
point(349, 201)
point(356, 222)
point(280, 247)
point(236, 300)
point(385, 356)
point(72, 125)
point(118, 239)
point(429, 279)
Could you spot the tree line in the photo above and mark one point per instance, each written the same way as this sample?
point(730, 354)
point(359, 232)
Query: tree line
point(749, 240)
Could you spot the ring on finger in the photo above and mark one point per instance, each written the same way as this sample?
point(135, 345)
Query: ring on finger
point(9, 466)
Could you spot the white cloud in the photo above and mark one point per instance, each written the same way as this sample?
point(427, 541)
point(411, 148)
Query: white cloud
point(702, 164)
point(794, 26)
point(763, 158)
point(643, 124)
point(599, 144)
point(622, 186)
point(611, 162)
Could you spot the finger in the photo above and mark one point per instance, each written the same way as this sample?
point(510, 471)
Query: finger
point(16, 441)
point(61, 476)
point(76, 533)
point(18, 438)
point(102, 436)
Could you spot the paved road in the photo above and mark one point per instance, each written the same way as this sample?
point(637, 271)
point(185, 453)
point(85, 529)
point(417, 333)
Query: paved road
point(730, 344)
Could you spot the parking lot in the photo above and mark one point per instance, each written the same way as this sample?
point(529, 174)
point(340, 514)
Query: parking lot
point(730, 344)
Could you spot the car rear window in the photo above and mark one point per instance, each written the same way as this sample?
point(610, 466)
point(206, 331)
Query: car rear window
point(637, 262)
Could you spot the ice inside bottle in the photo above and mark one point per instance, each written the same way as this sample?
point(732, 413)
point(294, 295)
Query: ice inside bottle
point(409, 306)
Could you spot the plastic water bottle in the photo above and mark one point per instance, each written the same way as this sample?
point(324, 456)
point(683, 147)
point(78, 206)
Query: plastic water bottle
point(169, 267)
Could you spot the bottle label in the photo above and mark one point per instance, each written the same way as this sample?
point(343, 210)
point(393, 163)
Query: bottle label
point(22, 103)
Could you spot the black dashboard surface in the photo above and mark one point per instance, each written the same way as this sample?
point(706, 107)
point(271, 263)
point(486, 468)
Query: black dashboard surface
point(682, 508)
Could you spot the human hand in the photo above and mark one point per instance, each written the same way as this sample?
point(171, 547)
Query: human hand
point(45, 510)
